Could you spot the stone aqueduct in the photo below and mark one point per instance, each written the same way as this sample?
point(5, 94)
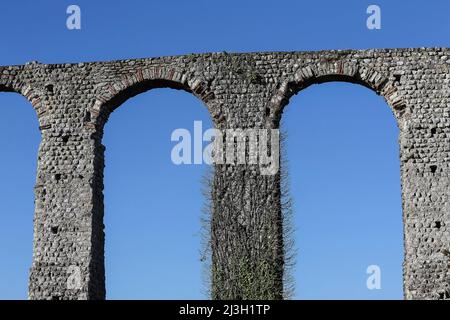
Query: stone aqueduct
point(249, 90)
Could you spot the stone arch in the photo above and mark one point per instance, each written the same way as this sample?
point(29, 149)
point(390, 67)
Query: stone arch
point(114, 94)
point(342, 71)
point(110, 96)
point(11, 84)
point(384, 85)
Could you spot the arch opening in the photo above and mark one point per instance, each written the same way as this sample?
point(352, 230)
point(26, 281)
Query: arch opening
point(152, 207)
point(345, 189)
point(19, 143)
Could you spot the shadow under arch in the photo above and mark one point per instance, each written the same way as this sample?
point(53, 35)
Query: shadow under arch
point(120, 94)
point(19, 150)
point(294, 87)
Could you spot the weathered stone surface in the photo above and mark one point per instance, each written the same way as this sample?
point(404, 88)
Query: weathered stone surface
point(73, 102)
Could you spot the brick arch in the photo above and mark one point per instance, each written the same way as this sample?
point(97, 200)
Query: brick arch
point(341, 71)
point(111, 96)
point(32, 95)
point(114, 94)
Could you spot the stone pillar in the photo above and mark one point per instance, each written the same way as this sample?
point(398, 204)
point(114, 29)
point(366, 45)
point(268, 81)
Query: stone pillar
point(247, 220)
point(426, 205)
point(68, 224)
point(425, 159)
point(247, 240)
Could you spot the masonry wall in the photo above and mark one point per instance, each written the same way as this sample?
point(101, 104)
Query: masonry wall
point(73, 102)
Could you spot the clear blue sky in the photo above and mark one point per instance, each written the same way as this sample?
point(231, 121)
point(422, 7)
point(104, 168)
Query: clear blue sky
point(342, 140)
